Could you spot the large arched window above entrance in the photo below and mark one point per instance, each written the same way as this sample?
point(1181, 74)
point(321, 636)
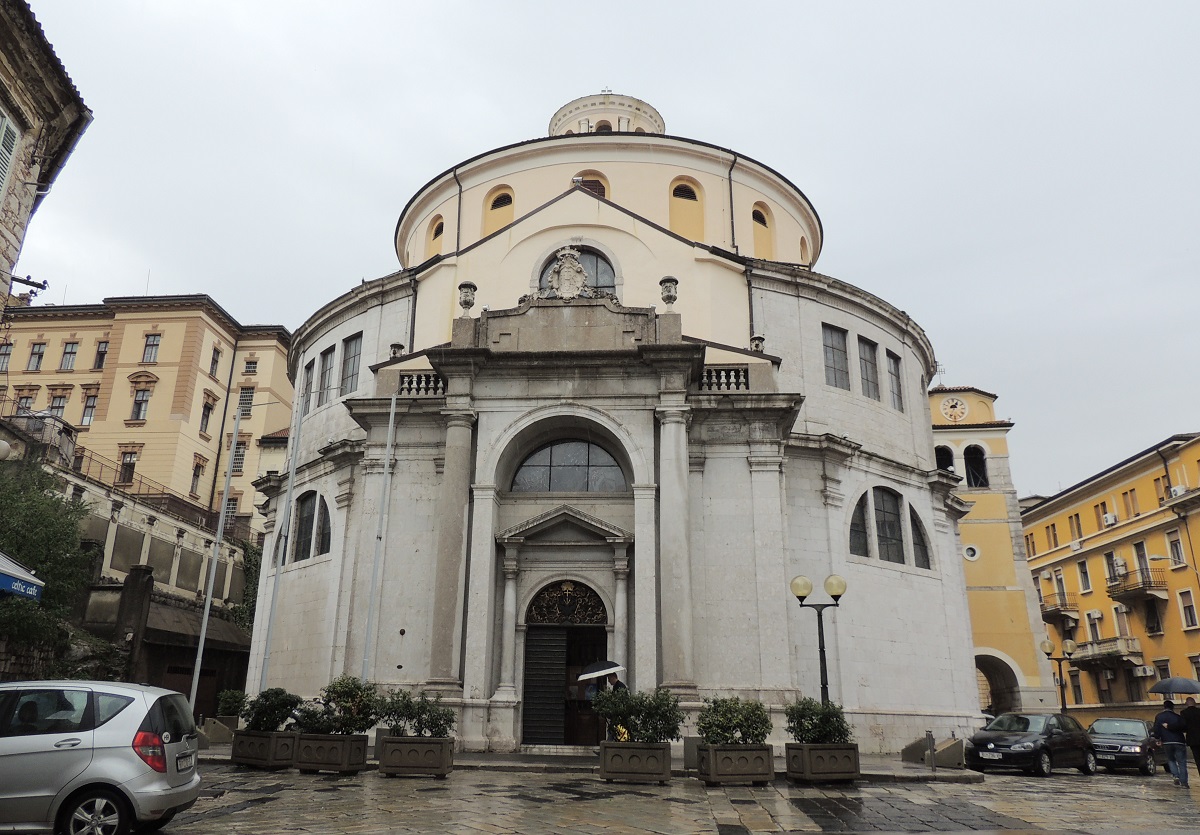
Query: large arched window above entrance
point(889, 539)
point(600, 273)
point(567, 602)
point(569, 466)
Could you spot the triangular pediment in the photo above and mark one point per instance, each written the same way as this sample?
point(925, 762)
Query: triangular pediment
point(564, 524)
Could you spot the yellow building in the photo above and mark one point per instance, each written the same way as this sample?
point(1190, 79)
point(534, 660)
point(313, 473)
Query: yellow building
point(152, 384)
point(1005, 625)
point(1114, 562)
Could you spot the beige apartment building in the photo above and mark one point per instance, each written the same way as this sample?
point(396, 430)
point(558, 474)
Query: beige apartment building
point(153, 384)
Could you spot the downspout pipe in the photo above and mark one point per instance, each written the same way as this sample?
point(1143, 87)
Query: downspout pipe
point(458, 215)
point(732, 218)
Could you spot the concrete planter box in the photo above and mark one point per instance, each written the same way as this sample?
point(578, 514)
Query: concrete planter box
point(263, 749)
point(736, 764)
point(415, 756)
point(636, 762)
point(821, 763)
point(344, 753)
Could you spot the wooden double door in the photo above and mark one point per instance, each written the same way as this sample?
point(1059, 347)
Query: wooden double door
point(557, 706)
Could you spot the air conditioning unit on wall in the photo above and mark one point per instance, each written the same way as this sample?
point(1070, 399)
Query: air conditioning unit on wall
point(1109, 675)
point(1046, 575)
point(1110, 519)
point(1144, 671)
point(1177, 490)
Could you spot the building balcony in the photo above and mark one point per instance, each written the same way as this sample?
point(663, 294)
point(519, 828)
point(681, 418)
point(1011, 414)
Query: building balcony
point(1142, 584)
point(1059, 606)
point(1108, 652)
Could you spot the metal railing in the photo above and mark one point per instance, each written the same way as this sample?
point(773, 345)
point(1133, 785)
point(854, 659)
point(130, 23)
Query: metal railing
point(1059, 602)
point(1141, 580)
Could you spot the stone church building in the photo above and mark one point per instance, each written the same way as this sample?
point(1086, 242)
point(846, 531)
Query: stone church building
point(608, 409)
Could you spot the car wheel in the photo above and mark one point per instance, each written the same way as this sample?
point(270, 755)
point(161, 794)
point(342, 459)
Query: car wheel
point(1044, 765)
point(154, 826)
point(95, 812)
point(1147, 766)
point(1089, 763)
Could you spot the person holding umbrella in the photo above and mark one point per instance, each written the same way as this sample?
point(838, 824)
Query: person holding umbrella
point(1170, 729)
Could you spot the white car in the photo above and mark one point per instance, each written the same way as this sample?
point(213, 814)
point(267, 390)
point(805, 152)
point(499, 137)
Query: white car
point(94, 757)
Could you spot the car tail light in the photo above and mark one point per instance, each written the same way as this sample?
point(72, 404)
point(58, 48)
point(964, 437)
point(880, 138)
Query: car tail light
point(149, 746)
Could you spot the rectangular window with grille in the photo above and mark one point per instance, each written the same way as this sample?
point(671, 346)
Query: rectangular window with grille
point(150, 352)
point(351, 351)
point(70, 350)
point(37, 352)
point(251, 367)
point(89, 410)
point(239, 456)
point(325, 381)
point(101, 354)
point(888, 530)
point(837, 361)
point(868, 367)
point(245, 400)
point(231, 508)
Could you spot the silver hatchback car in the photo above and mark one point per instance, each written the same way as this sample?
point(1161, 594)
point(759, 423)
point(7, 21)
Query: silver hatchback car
point(94, 757)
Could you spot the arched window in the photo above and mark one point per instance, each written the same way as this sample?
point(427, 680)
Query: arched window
point(306, 509)
point(945, 458)
point(920, 546)
point(603, 127)
point(498, 209)
point(764, 232)
point(324, 533)
point(805, 252)
point(890, 540)
point(569, 466)
point(975, 460)
point(433, 238)
point(686, 216)
point(600, 273)
point(593, 181)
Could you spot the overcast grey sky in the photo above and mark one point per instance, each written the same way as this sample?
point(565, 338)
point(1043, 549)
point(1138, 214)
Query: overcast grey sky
point(1022, 177)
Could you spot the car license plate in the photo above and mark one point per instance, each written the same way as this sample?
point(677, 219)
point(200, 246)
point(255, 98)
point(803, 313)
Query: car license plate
point(184, 762)
point(1106, 756)
point(990, 755)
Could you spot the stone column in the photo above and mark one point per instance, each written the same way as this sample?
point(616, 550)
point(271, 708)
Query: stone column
point(644, 670)
point(452, 522)
point(620, 603)
point(507, 691)
point(770, 565)
point(479, 644)
point(675, 588)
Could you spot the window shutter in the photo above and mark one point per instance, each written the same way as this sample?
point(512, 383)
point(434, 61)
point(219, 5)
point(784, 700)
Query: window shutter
point(8, 145)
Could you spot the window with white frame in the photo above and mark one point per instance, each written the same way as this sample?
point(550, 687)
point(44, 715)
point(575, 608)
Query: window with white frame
point(1094, 632)
point(58, 405)
point(251, 367)
point(89, 410)
point(1085, 580)
point(1195, 660)
point(37, 352)
point(128, 466)
point(895, 381)
point(197, 474)
point(868, 367)
point(1152, 617)
point(206, 412)
point(1075, 525)
point(351, 353)
point(70, 351)
point(325, 380)
point(141, 404)
point(1174, 548)
point(889, 539)
point(1162, 669)
point(150, 350)
point(1187, 609)
point(101, 354)
point(215, 362)
point(5, 355)
point(837, 360)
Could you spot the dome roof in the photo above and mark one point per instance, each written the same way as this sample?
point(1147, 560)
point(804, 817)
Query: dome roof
point(606, 112)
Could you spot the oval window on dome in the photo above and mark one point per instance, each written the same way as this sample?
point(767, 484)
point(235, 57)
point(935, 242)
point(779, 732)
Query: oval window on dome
point(569, 466)
point(600, 273)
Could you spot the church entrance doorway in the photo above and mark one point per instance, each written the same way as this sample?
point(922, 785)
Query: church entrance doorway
point(565, 632)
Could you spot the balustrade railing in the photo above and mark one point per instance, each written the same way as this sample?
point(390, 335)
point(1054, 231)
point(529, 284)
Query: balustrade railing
point(422, 384)
point(725, 378)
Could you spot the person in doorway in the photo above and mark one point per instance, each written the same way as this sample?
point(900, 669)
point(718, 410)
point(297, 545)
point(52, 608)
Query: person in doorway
point(615, 683)
point(1191, 720)
point(1171, 731)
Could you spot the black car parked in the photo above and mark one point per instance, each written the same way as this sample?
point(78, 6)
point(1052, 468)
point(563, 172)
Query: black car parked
point(1126, 743)
point(1033, 742)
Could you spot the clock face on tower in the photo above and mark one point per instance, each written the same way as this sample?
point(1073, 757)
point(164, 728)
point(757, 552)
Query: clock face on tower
point(954, 408)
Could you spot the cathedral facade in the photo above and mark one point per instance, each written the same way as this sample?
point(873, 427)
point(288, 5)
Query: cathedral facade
point(608, 409)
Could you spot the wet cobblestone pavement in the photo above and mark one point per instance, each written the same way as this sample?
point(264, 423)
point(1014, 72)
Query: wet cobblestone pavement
point(237, 801)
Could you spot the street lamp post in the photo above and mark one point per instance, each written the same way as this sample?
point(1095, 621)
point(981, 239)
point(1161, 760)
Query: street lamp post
point(1068, 649)
point(835, 587)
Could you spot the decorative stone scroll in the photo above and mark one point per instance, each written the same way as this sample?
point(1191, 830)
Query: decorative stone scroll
point(567, 602)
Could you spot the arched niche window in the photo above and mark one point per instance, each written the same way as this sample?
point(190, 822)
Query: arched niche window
point(764, 232)
point(686, 216)
point(433, 237)
point(313, 534)
point(497, 210)
point(975, 461)
point(569, 466)
point(805, 251)
point(603, 127)
point(593, 181)
point(600, 273)
point(945, 458)
point(878, 529)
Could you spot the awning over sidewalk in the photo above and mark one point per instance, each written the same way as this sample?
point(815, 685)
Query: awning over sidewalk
point(179, 626)
point(19, 580)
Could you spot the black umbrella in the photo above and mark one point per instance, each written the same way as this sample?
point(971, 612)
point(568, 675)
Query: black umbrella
point(600, 669)
point(1176, 684)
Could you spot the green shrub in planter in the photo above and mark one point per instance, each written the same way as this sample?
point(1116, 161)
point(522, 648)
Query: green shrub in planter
point(267, 711)
point(647, 717)
point(824, 748)
point(419, 741)
point(731, 721)
point(261, 744)
point(230, 702)
point(332, 727)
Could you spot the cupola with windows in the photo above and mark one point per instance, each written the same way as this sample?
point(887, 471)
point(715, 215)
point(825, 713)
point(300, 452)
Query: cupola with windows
point(606, 112)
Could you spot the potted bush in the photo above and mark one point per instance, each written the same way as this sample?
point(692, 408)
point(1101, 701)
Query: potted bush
point(229, 707)
point(261, 743)
point(417, 740)
point(734, 749)
point(824, 748)
point(646, 723)
point(332, 729)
